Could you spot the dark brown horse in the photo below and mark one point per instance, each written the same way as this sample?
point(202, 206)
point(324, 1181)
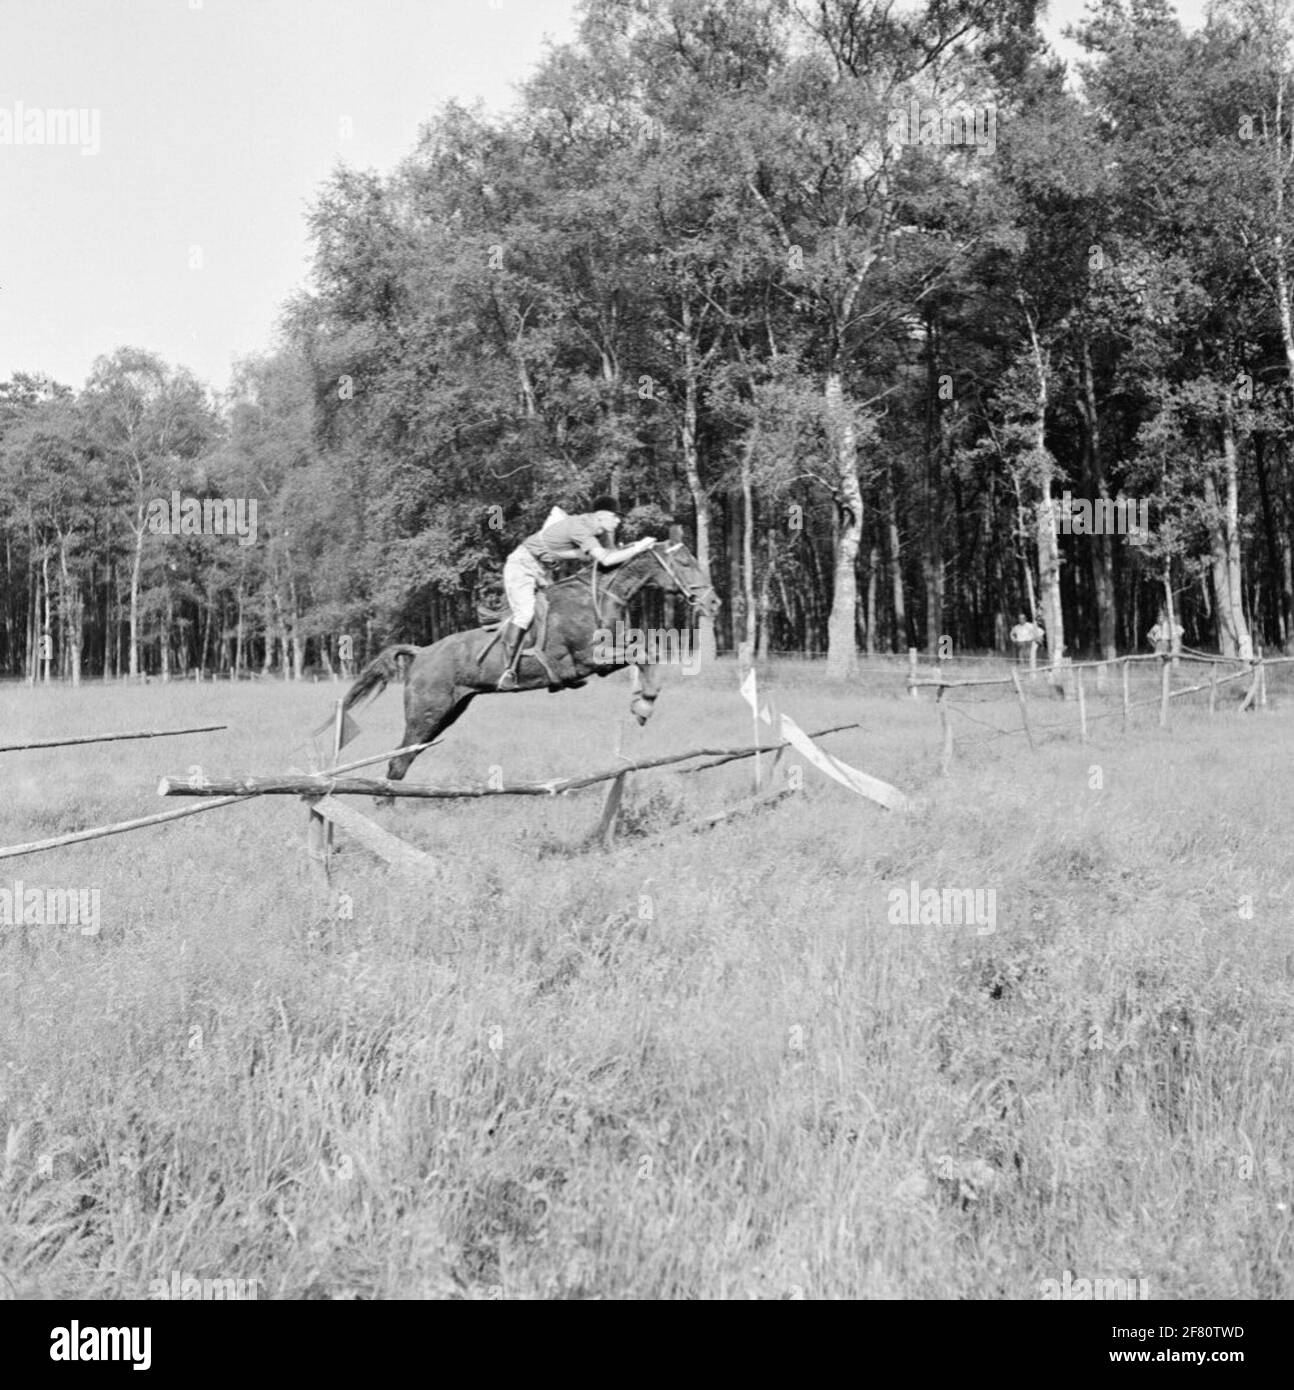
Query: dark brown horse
point(443, 679)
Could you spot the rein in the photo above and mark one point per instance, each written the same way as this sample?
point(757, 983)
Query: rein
point(689, 591)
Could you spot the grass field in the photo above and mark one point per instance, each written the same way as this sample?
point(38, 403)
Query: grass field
point(698, 1067)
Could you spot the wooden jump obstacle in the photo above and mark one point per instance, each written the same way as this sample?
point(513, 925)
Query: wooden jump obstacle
point(321, 790)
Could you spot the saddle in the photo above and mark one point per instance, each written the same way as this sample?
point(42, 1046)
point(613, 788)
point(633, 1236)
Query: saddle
point(538, 635)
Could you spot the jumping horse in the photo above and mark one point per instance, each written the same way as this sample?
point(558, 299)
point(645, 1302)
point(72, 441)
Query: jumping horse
point(443, 679)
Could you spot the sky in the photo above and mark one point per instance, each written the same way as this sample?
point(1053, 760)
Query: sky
point(171, 216)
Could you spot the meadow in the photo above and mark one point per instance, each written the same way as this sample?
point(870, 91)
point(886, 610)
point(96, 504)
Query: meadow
point(698, 1065)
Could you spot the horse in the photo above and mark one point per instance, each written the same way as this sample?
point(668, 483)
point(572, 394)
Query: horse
point(443, 679)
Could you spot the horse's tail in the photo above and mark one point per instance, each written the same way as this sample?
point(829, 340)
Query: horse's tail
point(390, 664)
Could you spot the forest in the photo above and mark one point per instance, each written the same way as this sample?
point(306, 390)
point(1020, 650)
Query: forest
point(872, 299)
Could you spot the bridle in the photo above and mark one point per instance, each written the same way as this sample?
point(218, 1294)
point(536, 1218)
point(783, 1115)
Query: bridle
point(689, 591)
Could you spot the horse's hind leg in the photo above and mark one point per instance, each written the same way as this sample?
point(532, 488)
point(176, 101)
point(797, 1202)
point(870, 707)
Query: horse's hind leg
point(422, 725)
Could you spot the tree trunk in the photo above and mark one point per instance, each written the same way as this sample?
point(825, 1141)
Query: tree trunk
point(1048, 543)
point(692, 471)
point(1224, 535)
point(47, 627)
point(842, 648)
point(1102, 551)
point(238, 639)
point(168, 627)
point(136, 564)
point(1275, 568)
point(748, 550)
point(766, 590)
point(894, 549)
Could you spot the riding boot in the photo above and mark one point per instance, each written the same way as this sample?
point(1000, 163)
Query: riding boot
point(512, 640)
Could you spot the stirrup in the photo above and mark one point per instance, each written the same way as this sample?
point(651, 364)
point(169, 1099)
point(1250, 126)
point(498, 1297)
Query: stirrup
point(507, 681)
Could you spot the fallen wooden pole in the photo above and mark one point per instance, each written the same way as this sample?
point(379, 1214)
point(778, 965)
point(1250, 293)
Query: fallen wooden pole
point(742, 808)
point(391, 848)
point(330, 783)
point(108, 738)
point(100, 832)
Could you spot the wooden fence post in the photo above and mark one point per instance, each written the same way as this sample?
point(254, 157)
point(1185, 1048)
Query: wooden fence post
point(1213, 687)
point(1127, 667)
point(1163, 692)
point(319, 835)
point(946, 758)
point(611, 810)
point(912, 670)
point(1252, 696)
point(1024, 707)
point(1082, 705)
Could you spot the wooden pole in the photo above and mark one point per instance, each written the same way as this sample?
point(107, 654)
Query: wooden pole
point(324, 783)
point(100, 832)
point(1082, 705)
point(376, 840)
point(606, 831)
point(319, 833)
point(1024, 707)
point(912, 671)
point(1213, 689)
point(1164, 677)
point(1253, 688)
point(108, 738)
point(1127, 667)
point(946, 759)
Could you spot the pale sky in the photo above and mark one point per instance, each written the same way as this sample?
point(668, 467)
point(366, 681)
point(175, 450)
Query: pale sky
point(215, 122)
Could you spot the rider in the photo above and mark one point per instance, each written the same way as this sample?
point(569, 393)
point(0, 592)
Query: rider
point(561, 537)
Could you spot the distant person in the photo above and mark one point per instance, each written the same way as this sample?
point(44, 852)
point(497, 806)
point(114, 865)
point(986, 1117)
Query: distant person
point(1165, 636)
point(1026, 635)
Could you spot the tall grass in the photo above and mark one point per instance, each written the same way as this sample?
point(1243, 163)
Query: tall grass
point(704, 1065)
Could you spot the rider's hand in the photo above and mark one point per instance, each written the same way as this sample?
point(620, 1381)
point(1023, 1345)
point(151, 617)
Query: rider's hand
point(647, 542)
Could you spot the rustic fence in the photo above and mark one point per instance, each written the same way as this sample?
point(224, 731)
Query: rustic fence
point(1070, 679)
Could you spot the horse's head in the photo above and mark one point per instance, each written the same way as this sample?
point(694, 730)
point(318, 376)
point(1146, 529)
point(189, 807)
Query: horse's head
point(671, 567)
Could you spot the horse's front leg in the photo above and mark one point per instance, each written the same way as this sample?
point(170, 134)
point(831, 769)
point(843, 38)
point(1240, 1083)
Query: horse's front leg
point(648, 683)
